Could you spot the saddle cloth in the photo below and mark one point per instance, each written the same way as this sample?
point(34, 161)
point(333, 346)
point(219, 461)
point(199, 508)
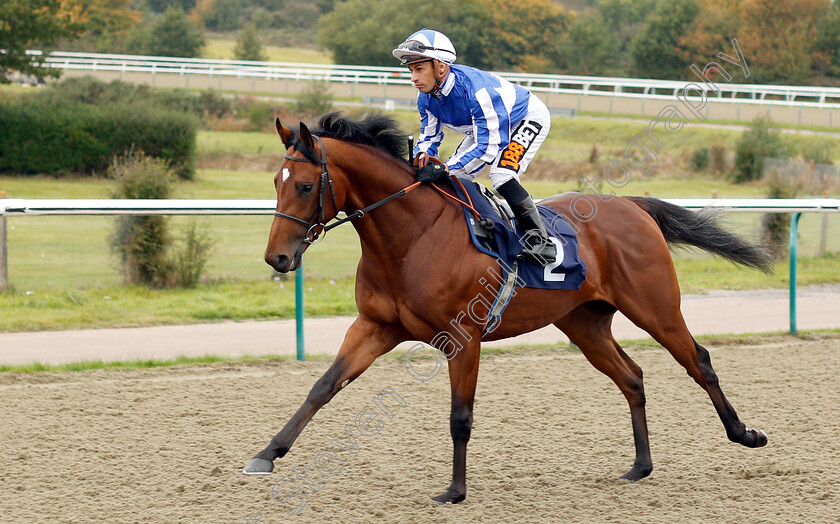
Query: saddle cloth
point(567, 272)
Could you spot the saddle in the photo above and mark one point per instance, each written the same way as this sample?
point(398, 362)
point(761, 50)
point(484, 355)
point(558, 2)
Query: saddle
point(497, 235)
point(483, 230)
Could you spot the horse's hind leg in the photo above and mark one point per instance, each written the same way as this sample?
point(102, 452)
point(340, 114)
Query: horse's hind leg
point(736, 430)
point(588, 326)
point(658, 312)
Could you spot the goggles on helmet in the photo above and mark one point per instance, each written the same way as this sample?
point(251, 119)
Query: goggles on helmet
point(415, 51)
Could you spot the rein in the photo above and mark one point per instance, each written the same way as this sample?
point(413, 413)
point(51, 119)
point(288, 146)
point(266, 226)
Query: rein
point(315, 231)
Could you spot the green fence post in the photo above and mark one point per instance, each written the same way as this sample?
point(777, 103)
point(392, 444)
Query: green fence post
point(4, 272)
point(301, 355)
point(794, 227)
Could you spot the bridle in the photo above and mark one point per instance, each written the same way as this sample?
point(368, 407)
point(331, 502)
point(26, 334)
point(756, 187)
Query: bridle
point(316, 231)
point(313, 235)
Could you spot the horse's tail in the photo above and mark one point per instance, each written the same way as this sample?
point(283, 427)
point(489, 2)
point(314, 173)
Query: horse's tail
point(701, 229)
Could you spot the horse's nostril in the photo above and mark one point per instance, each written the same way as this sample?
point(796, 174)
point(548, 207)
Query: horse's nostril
point(279, 262)
point(282, 263)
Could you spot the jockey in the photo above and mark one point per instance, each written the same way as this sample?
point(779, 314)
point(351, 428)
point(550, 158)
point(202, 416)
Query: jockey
point(504, 125)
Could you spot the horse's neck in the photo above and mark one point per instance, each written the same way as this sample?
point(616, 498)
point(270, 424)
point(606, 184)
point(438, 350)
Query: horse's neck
point(388, 233)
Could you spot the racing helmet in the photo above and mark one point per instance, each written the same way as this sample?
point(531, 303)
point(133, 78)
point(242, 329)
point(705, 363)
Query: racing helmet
point(423, 45)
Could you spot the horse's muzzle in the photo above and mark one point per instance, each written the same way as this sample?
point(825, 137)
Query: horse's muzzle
point(280, 263)
point(283, 263)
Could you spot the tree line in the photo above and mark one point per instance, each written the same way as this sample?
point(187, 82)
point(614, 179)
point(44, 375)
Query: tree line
point(784, 41)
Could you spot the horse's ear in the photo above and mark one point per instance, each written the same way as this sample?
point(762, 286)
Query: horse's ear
point(284, 132)
point(306, 136)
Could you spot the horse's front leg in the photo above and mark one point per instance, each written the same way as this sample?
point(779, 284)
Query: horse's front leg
point(463, 374)
point(363, 343)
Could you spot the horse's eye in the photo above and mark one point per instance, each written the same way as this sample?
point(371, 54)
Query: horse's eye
point(305, 189)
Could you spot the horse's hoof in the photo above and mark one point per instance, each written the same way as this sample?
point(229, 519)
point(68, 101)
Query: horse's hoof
point(450, 495)
point(258, 466)
point(638, 472)
point(760, 438)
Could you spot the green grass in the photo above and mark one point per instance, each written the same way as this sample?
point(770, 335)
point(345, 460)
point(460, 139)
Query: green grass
point(661, 187)
point(243, 143)
point(644, 119)
point(131, 306)
point(222, 48)
point(88, 365)
point(51, 187)
point(49, 253)
point(704, 273)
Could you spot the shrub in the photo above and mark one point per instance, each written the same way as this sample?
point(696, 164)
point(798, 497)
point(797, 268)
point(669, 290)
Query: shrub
point(315, 99)
point(171, 34)
point(775, 227)
point(594, 154)
point(211, 103)
point(818, 152)
point(221, 15)
point(191, 258)
point(259, 113)
point(38, 137)
point(700, 159)
point(248, 45)
point(89, 90)
point(761, 140)
point(143, 243)
point(719, 164)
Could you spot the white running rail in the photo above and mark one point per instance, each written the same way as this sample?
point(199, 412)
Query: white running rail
point(795, 96)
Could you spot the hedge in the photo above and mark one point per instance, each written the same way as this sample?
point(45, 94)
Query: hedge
point(76, 138)
point(89, 90)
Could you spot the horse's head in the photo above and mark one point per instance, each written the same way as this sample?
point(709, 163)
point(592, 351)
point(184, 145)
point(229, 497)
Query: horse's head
point(306, 199)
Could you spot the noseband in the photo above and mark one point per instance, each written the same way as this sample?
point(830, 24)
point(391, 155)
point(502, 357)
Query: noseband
point(314, 230)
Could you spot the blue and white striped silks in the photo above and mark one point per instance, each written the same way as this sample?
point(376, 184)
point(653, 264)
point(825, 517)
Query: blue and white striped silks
point(474, 103)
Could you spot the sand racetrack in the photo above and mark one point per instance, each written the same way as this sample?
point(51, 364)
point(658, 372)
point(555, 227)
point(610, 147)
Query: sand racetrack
point(551, 437)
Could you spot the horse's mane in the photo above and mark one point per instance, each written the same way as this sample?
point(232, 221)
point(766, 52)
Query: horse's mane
point(375, 130)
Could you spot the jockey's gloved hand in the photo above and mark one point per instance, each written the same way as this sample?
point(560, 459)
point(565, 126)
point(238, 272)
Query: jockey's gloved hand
point(422, 159)
point(432, 173)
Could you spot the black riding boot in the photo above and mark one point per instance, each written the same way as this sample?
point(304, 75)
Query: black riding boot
point(537, 245)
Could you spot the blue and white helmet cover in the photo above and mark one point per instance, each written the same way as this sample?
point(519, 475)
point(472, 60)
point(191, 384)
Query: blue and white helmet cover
point(432, 44)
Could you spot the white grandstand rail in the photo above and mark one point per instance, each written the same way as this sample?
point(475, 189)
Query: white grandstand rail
point(217, 67)
point(762, 205)
point(39, 207)
point(804, 96)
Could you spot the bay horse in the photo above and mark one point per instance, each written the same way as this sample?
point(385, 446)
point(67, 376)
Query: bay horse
point(418, 270)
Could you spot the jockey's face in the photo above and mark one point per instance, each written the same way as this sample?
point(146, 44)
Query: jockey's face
point(423, 74)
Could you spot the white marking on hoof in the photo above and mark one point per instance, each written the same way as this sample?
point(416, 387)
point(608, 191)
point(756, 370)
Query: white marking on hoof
point(245, 471)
